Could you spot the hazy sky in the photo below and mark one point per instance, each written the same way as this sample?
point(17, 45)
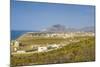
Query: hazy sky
point(37, 16)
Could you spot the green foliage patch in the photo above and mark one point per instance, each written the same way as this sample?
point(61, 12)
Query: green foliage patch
point(81, 51)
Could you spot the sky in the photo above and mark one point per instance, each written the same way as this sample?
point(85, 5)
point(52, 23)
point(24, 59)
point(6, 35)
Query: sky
point(35, 16)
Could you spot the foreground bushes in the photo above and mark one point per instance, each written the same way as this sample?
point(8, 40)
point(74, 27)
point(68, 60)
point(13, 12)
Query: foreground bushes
point(74, 52)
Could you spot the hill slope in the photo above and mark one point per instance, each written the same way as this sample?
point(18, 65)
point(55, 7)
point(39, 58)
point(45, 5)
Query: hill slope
point(82, 51)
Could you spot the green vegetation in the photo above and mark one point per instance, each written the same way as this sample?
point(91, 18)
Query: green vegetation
point(81, 51)
point(39, 40)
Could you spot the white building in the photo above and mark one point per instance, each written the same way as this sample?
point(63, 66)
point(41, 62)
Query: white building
point(16, 44)
point(21, 51)
point(42, 49)
point(54, 46)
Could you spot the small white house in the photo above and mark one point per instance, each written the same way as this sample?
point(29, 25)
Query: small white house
point(15, 49)
point(42, 49)
point(21, 51)
point(16, 44)
point(54, 46)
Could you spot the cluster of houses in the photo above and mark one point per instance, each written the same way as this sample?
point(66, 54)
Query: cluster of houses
point(57, 34)
point(15, 45)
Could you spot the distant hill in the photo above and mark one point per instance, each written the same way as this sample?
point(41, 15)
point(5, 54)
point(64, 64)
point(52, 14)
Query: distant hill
point(62, 28)
point(88, 29)
point(56, 28)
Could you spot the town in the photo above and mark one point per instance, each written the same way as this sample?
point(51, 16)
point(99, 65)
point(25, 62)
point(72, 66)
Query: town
point(34, 42)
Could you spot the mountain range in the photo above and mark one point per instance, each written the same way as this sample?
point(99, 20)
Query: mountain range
point(62, 28)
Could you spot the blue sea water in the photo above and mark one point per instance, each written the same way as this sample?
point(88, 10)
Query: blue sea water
point(16, 34)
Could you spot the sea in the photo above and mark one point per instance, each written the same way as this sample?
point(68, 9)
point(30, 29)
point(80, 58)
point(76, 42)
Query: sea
point(15, 34)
